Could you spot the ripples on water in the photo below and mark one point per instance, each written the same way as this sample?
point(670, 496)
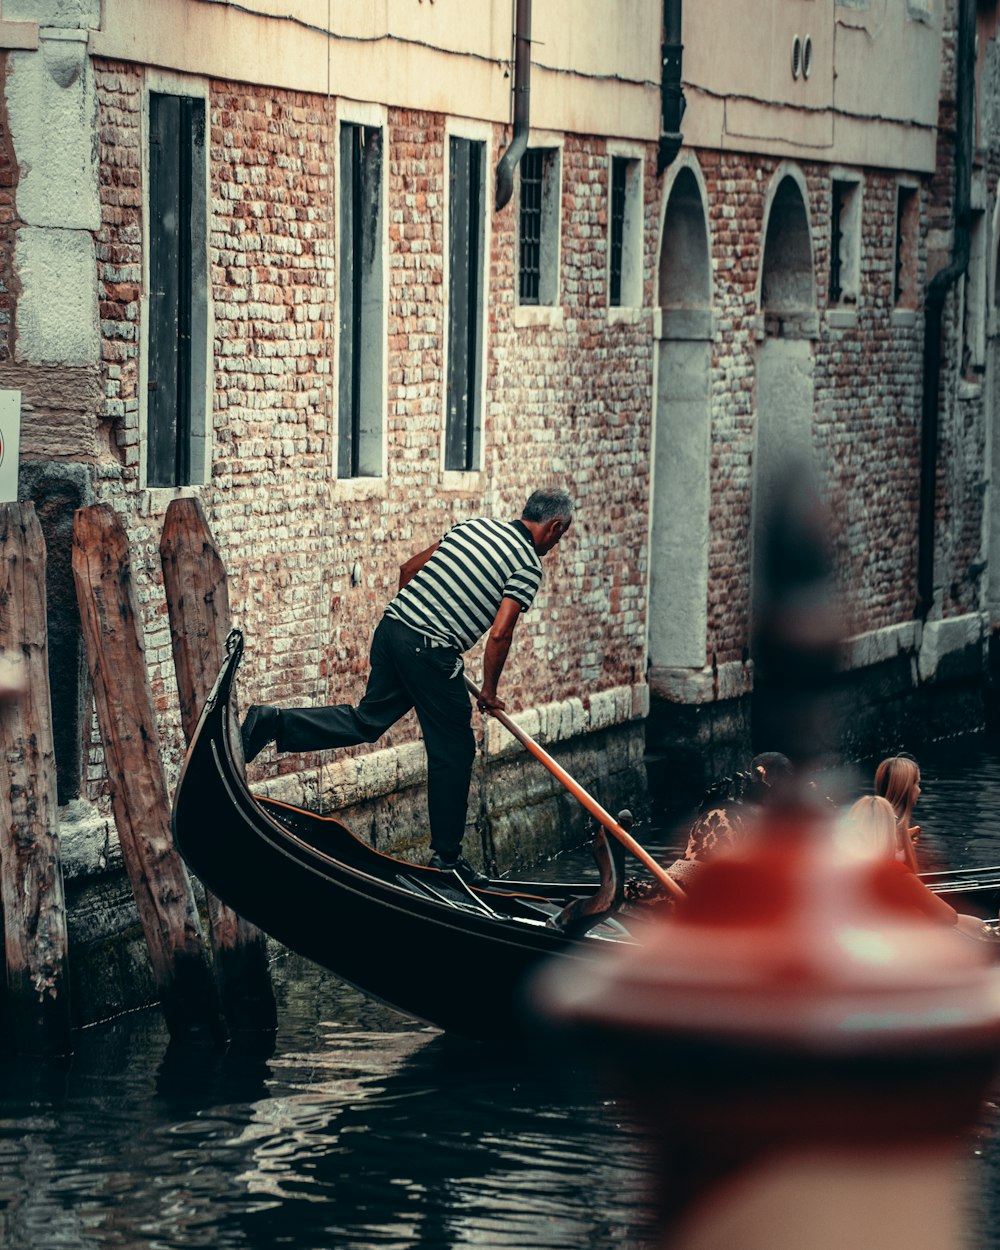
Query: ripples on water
point(361, 1130)
point(366, 1131)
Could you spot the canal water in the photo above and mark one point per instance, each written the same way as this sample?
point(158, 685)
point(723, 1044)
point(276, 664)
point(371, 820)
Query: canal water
point(362, 1130)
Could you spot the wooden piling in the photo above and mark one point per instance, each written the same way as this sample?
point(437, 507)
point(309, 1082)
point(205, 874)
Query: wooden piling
point(197, 593)
point(33, 903)
point(116, 658)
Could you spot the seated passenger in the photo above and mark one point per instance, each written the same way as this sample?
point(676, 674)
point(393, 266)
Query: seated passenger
point(897, 779)
point(723, 822)
point(870, 826)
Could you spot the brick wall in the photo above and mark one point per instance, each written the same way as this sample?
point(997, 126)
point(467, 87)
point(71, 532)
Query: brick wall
point(867, 399)
point(310, 567)
point(312, 561)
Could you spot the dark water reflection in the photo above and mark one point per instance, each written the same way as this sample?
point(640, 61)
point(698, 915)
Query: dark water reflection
point(361, 1130)
point(366, 1131)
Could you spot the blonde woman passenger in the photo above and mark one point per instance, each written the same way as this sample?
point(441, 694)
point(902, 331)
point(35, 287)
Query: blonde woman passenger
point(871, 827)
point(897, 779)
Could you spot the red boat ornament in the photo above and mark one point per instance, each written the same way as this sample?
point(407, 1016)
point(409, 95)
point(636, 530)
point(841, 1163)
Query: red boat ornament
point(789, 940)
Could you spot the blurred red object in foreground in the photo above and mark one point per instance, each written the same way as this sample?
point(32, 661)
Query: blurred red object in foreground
point(806, 1050)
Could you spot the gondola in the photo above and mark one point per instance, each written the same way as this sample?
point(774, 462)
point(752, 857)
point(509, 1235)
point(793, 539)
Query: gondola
point(418, 938)
point(415, 937)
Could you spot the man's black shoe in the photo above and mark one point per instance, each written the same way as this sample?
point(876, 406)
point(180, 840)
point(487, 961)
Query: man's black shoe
point(460, 865)
point(259, 728)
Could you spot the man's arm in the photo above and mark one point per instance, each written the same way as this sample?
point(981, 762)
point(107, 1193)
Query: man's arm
point(497, 646)
point(412, 567)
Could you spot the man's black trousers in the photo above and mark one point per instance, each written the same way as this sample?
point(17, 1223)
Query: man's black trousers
point(406, 671)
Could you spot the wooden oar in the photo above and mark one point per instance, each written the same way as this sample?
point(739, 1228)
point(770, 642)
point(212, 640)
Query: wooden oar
point(587, 800)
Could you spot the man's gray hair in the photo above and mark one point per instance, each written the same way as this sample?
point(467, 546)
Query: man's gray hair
point(548, 504)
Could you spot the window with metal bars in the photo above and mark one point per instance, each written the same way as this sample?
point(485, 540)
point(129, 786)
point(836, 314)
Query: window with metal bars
point(836, 239)
point(532, 168)
point(538, 227)
point(361, 354)
point(177, 356)
point(466, 231)
point(619, 173)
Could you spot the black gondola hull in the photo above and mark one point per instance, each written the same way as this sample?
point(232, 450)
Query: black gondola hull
point(414, 937)
point(283, 869)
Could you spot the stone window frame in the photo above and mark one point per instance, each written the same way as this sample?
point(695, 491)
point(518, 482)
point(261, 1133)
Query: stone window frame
point(480, 132)
point(975, 289)
point(906, 234)
point(551, 313)
point(798, 320)
point(993, 274)
point(920, 10)
point(675, 642)
point(630, 307)
point(155, 498)
point(359, 113)
point(844, 312)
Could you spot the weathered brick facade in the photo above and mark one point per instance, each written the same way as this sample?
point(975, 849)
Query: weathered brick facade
point(653, 415)
point(866, 413)
point(572, 398)
point(310, 574)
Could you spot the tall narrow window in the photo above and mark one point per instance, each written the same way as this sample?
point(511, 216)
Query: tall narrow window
point(974, 305)
point(538, 269)
point(178, 297)
point(466, 231)
point(907, 223)
point(619, 167)
point(836, 240)
point(625, 241)
point(359, 451)
point(845, 243)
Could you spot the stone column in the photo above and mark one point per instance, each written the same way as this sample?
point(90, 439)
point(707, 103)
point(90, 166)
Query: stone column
point(55, 342)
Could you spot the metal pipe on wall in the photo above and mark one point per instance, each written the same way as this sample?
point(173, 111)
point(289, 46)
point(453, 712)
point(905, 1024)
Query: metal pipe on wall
point(522, 99)
point(671, 89)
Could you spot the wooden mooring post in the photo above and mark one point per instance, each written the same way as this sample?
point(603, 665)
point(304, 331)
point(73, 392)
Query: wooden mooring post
point(126, 718)
point(37, 1009)
point(197, 592)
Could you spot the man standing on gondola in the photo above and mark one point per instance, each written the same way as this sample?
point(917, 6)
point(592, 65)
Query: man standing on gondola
point(480, 576)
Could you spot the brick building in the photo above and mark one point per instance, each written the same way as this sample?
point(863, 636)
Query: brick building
point(253, 253)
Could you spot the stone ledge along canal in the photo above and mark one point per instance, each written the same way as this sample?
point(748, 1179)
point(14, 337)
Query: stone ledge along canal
point(362, 1130)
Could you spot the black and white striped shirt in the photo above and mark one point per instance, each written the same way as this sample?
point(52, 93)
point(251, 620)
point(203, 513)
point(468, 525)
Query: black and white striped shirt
point(455, 596)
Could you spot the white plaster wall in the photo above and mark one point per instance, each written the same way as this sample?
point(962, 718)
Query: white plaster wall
point(594, 69)
point(678, 558)
point(784, 419)
point(784, 402)
point(595, 66)
point(52, 111)
point(64, 13)
point(52, 107)
point(870, 99)
point(57, 311)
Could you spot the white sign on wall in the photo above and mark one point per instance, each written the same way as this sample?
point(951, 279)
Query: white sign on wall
point(10, 443)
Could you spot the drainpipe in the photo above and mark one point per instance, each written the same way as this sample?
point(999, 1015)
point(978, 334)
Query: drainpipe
point(671, 92)
point(937, 292)
point(522, 97)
